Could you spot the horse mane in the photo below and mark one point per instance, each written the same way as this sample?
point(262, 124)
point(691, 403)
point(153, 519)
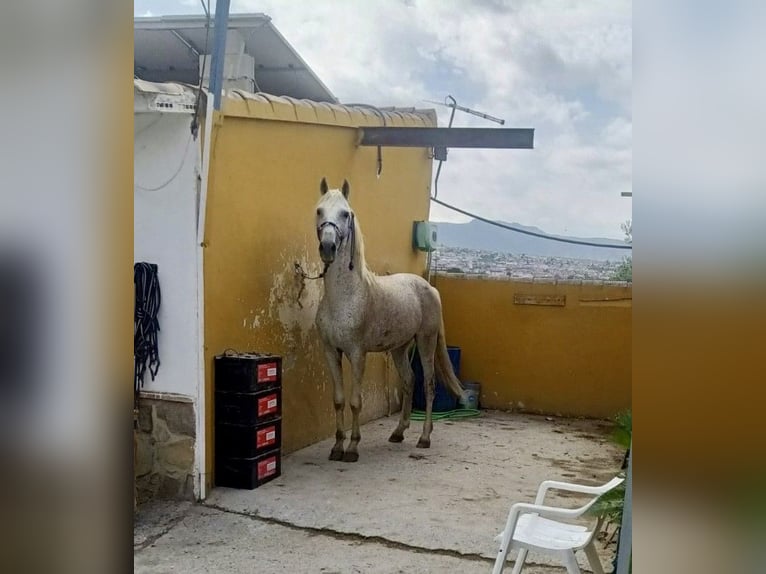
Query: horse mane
point(360, 261)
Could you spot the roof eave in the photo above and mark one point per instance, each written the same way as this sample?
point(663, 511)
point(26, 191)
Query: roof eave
point(181, 22)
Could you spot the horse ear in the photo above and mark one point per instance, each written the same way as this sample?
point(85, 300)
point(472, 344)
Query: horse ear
point(345, 189)
point(323, 186)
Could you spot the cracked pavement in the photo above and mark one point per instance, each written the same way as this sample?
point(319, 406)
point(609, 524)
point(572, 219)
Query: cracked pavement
point(399, 509)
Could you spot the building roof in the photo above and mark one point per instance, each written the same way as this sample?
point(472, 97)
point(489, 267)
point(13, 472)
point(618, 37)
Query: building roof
point(167, 49)
point(173, 97)
point(282, 108)
point(166, 97)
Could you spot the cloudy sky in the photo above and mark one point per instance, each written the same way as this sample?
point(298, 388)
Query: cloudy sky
point(563, 68)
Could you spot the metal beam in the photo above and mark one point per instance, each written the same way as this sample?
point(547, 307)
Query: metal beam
point(488, 138)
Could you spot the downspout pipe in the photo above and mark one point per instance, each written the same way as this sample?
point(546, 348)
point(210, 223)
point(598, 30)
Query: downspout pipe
point(202, 406)
point(215, 88)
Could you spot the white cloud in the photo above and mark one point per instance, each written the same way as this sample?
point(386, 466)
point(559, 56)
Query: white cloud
point(563, 68)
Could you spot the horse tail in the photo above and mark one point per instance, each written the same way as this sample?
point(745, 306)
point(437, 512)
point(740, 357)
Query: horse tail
point(444, 366)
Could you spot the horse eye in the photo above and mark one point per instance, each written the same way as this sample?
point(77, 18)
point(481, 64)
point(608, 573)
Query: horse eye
point(345, 214)
point(319, 211)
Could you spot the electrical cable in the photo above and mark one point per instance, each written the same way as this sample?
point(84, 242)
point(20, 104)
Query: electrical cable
point(532, 233)
point(454, 106)
point(146, 127)
point(175, 173)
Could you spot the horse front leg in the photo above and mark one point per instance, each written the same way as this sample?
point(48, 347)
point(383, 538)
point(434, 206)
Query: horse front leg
point(334, 362)
point(358, 359)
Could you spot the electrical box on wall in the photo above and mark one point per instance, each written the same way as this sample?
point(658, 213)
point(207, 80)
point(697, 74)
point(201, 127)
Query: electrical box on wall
point(423, 236)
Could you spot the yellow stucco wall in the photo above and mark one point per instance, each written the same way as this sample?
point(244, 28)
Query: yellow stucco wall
point(268, 159)
point(571, 360)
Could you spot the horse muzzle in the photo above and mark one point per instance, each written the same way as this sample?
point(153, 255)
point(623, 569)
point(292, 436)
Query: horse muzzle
point(327, 251)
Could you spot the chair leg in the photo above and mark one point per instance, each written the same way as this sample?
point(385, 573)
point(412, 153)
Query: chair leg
point(519, 561)
point(502, 554)
point(570, 561)
point(593, 559)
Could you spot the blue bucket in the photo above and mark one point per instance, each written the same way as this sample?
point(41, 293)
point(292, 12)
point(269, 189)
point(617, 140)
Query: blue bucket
point(443, 399)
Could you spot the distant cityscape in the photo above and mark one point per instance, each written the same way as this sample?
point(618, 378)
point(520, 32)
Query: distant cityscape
point(512, 265)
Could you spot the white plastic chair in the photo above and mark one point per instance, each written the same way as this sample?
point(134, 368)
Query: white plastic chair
point(533, 527)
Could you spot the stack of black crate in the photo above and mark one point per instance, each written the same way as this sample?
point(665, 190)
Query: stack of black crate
point(248, 419)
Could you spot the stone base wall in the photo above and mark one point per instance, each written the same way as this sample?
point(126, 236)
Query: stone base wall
point(165, 447)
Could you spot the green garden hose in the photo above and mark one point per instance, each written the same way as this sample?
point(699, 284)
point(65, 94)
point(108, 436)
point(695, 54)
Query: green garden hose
point(454, 414)
point(417, 415)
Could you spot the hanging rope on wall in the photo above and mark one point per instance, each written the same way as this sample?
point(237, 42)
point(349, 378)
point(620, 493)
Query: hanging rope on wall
point(146, 325)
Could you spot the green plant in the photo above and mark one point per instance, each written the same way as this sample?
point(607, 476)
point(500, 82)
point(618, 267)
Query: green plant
point(623, 430)
point(625, 270)
point(610, 504)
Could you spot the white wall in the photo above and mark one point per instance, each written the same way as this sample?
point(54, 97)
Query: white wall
point(165, 229)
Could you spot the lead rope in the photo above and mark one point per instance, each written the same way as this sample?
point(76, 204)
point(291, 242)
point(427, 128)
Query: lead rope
point(352, 233)
point(299, 270)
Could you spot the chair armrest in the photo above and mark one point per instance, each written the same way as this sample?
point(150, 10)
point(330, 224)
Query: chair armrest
point(547, 485)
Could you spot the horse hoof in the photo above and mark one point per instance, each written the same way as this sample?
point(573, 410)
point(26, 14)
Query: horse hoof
point(424, 443)
point(336, 454)
point(350, 456)
point(396, 437)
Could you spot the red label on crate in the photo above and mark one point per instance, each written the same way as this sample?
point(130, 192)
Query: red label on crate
point(267, 467)
point(267, 372)
point(267, 405)
point(266, 437)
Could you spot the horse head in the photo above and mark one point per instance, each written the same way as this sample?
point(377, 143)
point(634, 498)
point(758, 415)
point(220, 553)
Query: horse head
point(334, 221)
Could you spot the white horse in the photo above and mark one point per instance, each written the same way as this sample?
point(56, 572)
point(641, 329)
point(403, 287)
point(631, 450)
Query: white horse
point(361, 313)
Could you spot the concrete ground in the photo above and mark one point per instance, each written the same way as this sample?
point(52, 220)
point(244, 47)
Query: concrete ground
point(398, 509)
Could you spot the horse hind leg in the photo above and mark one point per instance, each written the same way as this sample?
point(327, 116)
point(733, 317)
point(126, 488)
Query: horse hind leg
point(427, 351)
point(334, 362)
point(402, 363)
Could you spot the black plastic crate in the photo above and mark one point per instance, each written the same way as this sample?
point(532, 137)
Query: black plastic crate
point(247, 408)
point(246, 441)
point(247, 372)
point(248, 473)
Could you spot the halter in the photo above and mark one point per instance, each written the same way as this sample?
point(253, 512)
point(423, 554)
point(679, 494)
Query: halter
point(351, 234)
point(299, 270)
